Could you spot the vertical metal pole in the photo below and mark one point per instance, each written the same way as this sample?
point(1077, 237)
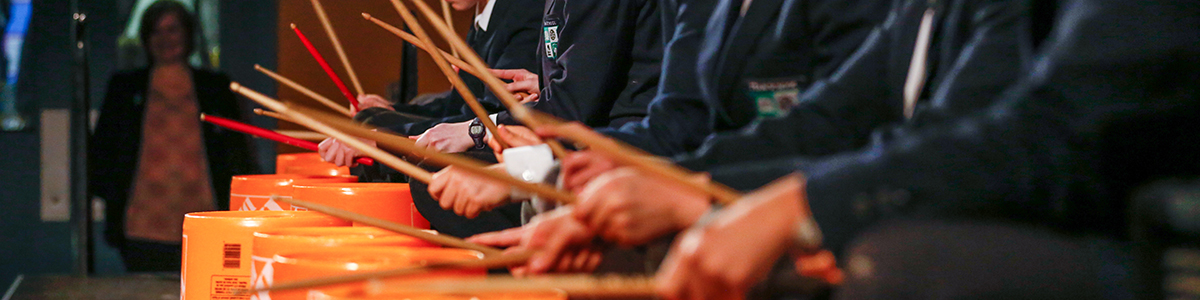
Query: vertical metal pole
point(81, 206)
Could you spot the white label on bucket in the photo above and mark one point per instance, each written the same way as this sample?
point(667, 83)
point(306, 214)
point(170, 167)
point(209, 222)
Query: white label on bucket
point(249, 200)
point(262, 278)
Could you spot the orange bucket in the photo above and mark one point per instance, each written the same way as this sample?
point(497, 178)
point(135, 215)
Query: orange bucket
point(253, 192)
point(387, 201)
point(216, 244)
point(283, 161)
point(269, 243)
point(316, 169)
point(327, 262)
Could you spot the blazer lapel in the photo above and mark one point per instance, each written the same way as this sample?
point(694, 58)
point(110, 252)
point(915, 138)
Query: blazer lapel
point(745, 32)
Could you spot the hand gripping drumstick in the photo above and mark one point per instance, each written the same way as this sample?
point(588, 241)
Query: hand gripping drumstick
point(406, 145)
point(379, 155)
point(301, 115)
point(612, 148)
point(534, 119)
point(517, 110)
point(268, 134)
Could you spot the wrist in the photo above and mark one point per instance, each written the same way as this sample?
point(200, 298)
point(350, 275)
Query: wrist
point(805, 233)
point(691, 209)
point(477, 133)
point(691, 212)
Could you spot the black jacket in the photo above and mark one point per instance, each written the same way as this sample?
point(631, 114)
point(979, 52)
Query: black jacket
point(978, 48)
point(1111, 104)
point(510, 42)
point(116, 141)
point(786, 44)
point(600, 60)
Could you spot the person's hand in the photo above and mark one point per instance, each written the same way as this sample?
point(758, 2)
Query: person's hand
point(338, 153)
point(369, 100)
point(577, 169)
point(447, 137)
point(559, 243)
point(723, 259)
point(507, 238)
point(515, 135)
point(580, 167)
point(820, 265)
point(523, 81)
point(465, 193)
point(631, 208)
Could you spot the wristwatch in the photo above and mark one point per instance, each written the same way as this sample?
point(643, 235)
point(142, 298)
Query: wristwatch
point(477, 133)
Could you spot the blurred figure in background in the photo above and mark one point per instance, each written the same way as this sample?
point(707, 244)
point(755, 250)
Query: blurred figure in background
point(150, 157)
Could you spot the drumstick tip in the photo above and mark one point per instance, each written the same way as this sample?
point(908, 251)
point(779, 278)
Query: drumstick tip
point(293, 25)
point(366, 16)
point(257, 111)
point(258, 67)
point(203, 116)
point(234, 86)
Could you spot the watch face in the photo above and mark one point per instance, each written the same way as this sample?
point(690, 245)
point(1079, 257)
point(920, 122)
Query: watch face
point(476, 130)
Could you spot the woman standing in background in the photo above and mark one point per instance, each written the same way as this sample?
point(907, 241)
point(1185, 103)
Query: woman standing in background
point(150, 157)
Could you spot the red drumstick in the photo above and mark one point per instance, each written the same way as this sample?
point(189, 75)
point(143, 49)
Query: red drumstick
point(270, 135)
point(325, 65)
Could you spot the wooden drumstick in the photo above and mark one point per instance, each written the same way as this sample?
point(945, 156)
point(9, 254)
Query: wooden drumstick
point(452, 59)
point(304, 90)
point(607, 145)
point(637, 158)
point(468, 55)
point(449, 21)
point(587, 286)
point(304, 135)
point(488, 262)
point(611, 147)
point(455, 80)
point(406, 145)
point(337, 45)
point(337, 81)
point(270, 135)
point(518, 111)
point(298, 118)
point(270, 114)
point(443, 240)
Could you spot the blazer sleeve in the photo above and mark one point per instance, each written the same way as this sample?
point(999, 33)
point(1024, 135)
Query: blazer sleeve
point(831, 113)
point(679, 119)
point(1037, 155)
